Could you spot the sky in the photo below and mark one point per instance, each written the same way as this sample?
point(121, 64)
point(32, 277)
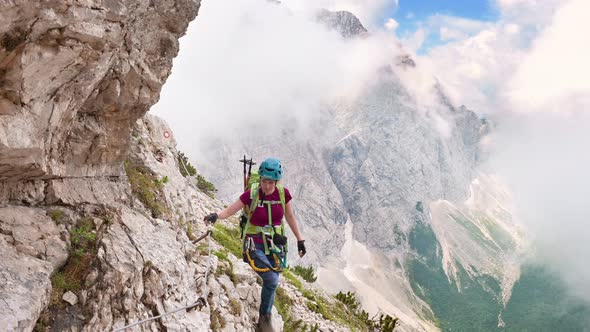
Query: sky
point(521, 63)
point(412, 15)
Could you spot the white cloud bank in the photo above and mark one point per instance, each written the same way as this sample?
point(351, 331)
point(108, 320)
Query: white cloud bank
point(558, 65)
point(245, 63)
point(530, 73)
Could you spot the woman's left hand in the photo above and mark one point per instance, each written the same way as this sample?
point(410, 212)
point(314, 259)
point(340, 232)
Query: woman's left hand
point(301, 248)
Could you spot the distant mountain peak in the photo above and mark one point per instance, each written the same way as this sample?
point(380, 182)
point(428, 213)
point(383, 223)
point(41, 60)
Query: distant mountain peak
point(344, 22)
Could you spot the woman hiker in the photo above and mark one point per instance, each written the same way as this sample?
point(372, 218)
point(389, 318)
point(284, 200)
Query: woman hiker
point(264, 239)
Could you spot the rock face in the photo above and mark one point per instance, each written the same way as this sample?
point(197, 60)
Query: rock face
point(32, 247)
point(75, 76)
point(91, 256)
point(344, 22)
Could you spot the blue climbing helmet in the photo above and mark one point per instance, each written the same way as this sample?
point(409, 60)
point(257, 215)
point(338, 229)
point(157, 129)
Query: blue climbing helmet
point(271, 168)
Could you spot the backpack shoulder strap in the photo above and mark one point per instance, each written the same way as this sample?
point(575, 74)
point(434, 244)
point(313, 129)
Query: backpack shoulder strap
point(282, 196)
point(249, 210)
point(254, 198)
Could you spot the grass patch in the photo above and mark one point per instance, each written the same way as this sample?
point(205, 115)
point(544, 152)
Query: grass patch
point(217, 320)
point(188, 227)
point(206, 186)
point(223, 269)
point(82, 252)
point(82, 235)
point(383, 323)
point(293, 280)
point(56, 215)
point(186, 169)
point(229, 238)
point(203, 249)
point(235, 307)
point(294, 326)
point(146, 188)
point(344, 309)
point(307, 273)
point(283, 303)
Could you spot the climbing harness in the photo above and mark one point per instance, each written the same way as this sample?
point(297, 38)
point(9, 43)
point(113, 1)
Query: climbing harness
point(273, 239)
point(270, 168)
point(280, 262)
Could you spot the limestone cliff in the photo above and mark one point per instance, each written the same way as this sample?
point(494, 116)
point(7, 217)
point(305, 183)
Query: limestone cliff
point(75, 76)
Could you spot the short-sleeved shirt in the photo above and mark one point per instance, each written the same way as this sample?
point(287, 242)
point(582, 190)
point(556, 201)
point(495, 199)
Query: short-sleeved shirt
point(260, 214)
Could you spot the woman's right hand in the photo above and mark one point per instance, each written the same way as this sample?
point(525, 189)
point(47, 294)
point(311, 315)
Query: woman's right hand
point(301, 248)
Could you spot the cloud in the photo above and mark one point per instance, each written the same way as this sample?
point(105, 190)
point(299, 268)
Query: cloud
point(391, 24)
point(508, 4)
point(443, 28)
point(529, 72)
point(414, 41)
point(558, 65)
point(473, 70)
point(544, 159)
point(447, 33)
point(466, 26)
point(515, 63)
point(368, 11)
point(511, 28)
point(248, 63)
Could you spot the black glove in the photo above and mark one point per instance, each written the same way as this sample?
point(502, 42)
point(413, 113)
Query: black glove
point(211, 218)
point(301, 248)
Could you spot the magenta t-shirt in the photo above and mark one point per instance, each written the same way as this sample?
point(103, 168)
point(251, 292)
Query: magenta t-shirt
point(260, 214)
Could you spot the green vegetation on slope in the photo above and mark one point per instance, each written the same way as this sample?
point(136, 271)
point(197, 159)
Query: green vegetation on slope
point(499, 234)
point(187, 169)
point(539, 299)
point(469, 308)
point(540, 302)
point(147, 188)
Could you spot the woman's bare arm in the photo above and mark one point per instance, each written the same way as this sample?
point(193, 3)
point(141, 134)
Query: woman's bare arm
point(292, 221)
point(230, 210)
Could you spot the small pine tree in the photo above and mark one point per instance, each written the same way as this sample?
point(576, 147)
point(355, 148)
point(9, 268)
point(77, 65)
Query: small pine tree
point(185, 166)
point(307, 273)
point(206, 186)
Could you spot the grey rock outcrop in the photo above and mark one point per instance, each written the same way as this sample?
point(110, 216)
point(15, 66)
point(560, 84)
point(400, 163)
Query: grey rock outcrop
point(32, 248)
point(134, 265)
point(75, 76)
point(344, 22)
point(393, 157)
